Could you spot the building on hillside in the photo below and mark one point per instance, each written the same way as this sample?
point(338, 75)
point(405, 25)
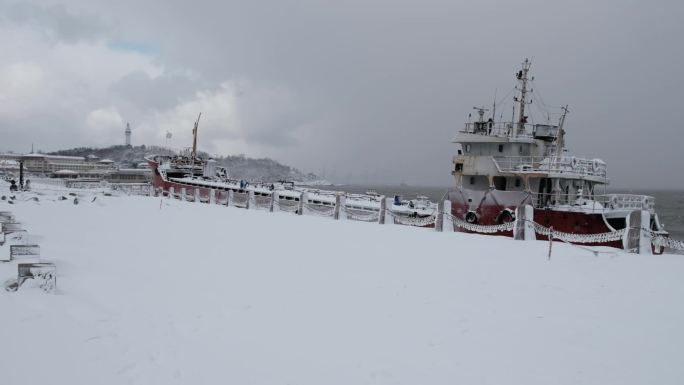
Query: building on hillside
point(47, 165)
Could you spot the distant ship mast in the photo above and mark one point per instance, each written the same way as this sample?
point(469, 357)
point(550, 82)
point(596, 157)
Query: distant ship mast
point(194, 137)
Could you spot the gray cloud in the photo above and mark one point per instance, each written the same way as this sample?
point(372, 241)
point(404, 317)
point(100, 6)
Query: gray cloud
point(379, 88)
point(55, 21)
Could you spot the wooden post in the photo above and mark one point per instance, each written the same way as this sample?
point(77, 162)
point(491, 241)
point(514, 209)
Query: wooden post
point(229, 198)
point(381, 213)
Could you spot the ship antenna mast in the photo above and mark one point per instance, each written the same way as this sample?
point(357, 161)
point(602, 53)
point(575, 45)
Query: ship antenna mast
point(560, 141)
point(522, 77)
point(194, 137)
point(494, 106)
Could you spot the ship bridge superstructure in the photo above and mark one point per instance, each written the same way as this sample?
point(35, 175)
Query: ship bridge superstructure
point(519, 155)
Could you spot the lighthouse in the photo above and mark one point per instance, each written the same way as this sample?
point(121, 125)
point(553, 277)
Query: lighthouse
point(128, 134)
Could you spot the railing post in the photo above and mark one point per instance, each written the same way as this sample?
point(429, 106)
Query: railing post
point(447, 221)
point(150, 190)
point(630, 239)
point(389, 217)
point(645, 234)
point(229, 199)
point(550, 241)
point(183, 194)
point(439, 216)
point(340, 210)
point(250, 200)
point(336, 213)
point(381, 213)
point(303, 197)
point(524, 223)
point(197, 194)
point(170, 194)
point(274, 201)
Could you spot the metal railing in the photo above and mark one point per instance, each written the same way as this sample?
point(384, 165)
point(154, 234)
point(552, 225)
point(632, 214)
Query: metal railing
point(552, 165)
point(595, 203)
point(500, 129)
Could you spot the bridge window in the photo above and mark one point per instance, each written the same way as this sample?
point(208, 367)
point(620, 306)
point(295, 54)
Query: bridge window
point(472, 180)
point(517, 181)
point(467, 148)
point(500, 183)
point(501, 148)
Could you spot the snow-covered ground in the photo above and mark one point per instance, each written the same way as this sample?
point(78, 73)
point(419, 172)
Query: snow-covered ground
point(153, 291)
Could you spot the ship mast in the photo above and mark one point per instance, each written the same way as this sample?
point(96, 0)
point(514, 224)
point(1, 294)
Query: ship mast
point(560, 140)
point(194, 137)
point(522, 77)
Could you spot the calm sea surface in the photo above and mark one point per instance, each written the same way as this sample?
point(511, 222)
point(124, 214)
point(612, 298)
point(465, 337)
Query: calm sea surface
point(669, 203)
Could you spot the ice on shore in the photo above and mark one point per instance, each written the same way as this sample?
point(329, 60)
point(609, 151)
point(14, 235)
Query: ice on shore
point(153, 291)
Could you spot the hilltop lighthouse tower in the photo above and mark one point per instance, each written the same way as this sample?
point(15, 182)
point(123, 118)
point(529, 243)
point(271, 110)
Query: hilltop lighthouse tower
point(128, 134)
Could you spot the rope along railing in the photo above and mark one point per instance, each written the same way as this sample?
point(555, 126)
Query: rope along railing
point(486, 229)
point(320, 210)
point(287, 206)
point(661, 241)
point(262, 202)
point(580, 238)
point(365, 217)
point(240, 199)
point(542, 230)
point(409, 221)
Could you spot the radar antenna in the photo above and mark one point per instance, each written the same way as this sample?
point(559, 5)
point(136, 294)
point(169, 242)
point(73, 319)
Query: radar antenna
point(481, 111)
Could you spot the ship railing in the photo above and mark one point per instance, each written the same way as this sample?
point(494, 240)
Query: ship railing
point(594, 203)
point(499, 129)
point(552, 165)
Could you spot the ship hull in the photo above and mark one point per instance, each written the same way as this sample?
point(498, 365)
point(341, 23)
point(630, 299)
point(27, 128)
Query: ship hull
point(489, 206)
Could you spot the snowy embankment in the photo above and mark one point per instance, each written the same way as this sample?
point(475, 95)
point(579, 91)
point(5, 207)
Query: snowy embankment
point(154, 291)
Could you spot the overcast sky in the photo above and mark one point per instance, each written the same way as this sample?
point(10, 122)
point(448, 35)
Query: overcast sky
point(362, 90)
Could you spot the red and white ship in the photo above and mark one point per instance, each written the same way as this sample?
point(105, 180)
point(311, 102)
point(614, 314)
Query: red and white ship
point(501, 165)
